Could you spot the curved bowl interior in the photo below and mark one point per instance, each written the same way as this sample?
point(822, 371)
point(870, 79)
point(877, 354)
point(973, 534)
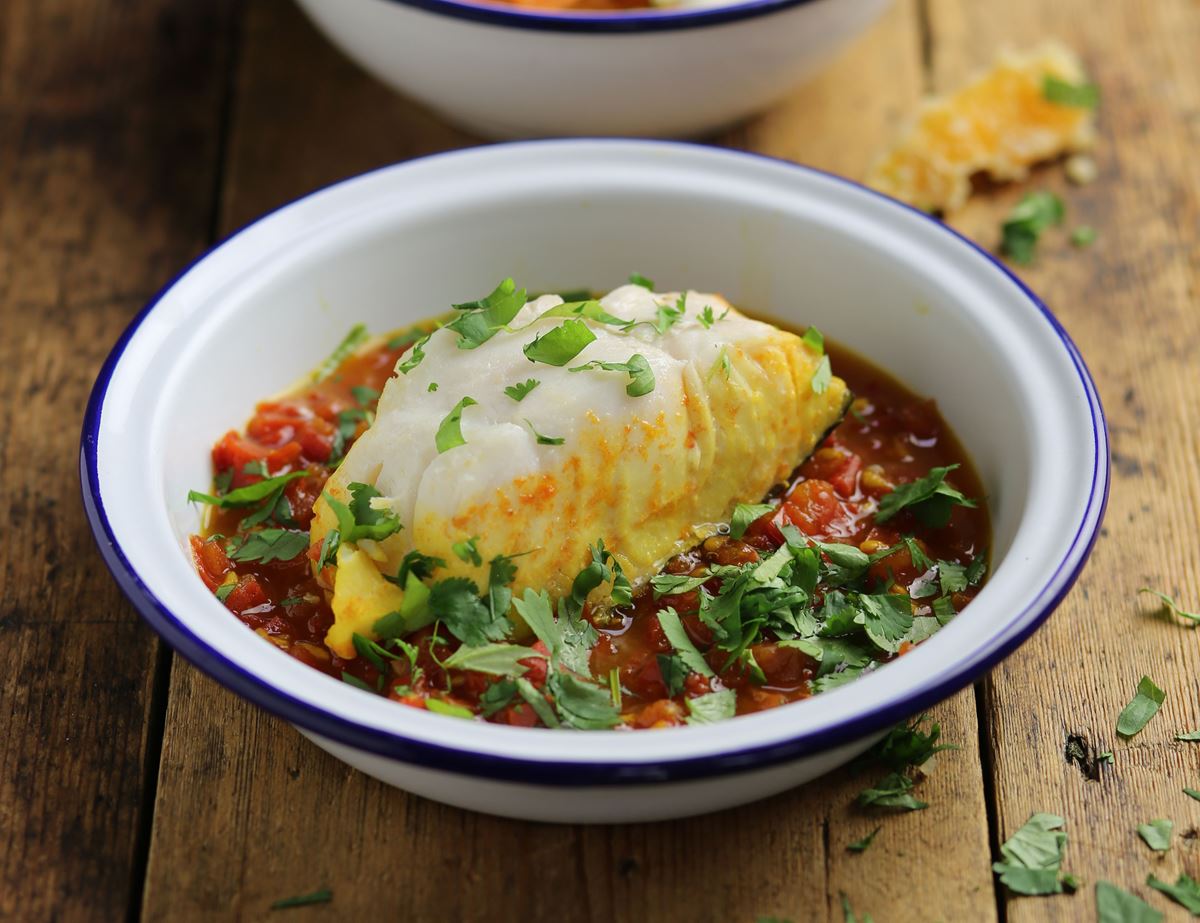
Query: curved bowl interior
point(400, 244)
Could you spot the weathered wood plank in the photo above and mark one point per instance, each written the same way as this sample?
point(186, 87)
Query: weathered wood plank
point(1130, 303)
point(248, 812)
point(108, 126)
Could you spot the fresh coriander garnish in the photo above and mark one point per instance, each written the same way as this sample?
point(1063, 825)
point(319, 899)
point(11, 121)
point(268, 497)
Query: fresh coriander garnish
point(673, 628)
point(542, 439)
point(1083, 236)
point(814, 340)
point(414, 357)
point(746, 513)
point(248, 495)
point(676, 584)
point(674, 672)
point(568, 638)
point(930, 499)
point(1033, 857)
point(269, 545)
point(641, 376)
point(1036, 212)
point(822, 376)
point(518, 391)
point(588, 308)
point(1157, 834)
point(1141, 708)
point(1185, 891)
point(222, 592)
point(449, 709)
point(582, 704)
point(343, 351)
point(561, 344)
point(433, 386)
point(1188, 735)
point(636, 278)
point(323, 896)
point(1171, 606)
point(467, 551)
point(707, 318)
point(1065, 93)
point(1115, 905)
point(894, 791)
point(360, 520)
point(411, 335)
point(711, 707)
point(861, 845)
point(478, 321)
point(364, 396)
point(456, 601)
point(449, 432)
point(1192, 793)
point(496, 659)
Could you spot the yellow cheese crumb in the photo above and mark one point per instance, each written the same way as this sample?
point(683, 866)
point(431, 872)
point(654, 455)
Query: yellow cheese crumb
point(1001, 124)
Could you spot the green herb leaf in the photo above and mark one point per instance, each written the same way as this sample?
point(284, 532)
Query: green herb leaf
point(907, 745)
point(581, 704)
point(712, 707)
point(861, 845)
point(746, 513)
point(222, 592)
point(1185, 891)
point(641, 376)
point(449, 432)
point(929, 498)
point(343, 351)
point(457, 603)
point(496, 659)
point(481, 319)
point(270, 545)
point(352, 680)
point(822, 376)
point(544, 440)
point(561, 344)
point(1065, 93)
point(894, 792)
point(450, 709)
point(419, 565)
point(360, 520)
point(1157, 834)
point(1114, 905)
point(248, 495)
point(1033, 857)
point(518, 391)
point(848, 915)
point(814, 340)
point(1188, 735)
point(1036, 212)
point(951, 577)
point(674, 672)
point(329, 549)
point(467, 551)
point(676, 584)
point(537, 701)
point(1141, 708)
point(588, 308)
point(1192, 793)
point(887, 619)
point(638, 279)
point(412, 335)
point(1083, 236)
point(414, 357)
point(497, 696)
point(1171, 606)
point(673, 628)
point(323, 896)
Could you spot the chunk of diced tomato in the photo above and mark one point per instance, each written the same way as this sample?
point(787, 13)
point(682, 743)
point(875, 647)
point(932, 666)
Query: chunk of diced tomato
point(785, 667)
point(211, 561)
point(248, 594)
point(812, 507)
point(837, 465)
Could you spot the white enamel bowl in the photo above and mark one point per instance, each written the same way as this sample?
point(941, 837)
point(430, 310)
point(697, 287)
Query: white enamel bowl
point(506, 72)
point(401, 243)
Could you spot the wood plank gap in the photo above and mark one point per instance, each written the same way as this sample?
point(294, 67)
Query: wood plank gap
point(216, 222)
point(156, 722)
point(925, 32)
point(990, 800)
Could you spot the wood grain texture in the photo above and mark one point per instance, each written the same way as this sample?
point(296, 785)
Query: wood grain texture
point(108, 126)
point(248, 812)
point(1131, 303)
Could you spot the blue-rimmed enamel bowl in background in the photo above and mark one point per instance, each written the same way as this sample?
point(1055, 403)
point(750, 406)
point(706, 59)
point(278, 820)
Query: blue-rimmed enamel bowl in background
point(399, 244)
point(506, 71)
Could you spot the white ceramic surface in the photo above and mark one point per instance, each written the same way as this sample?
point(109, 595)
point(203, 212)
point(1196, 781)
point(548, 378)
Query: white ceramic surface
point(505, 72)
point(401, 243)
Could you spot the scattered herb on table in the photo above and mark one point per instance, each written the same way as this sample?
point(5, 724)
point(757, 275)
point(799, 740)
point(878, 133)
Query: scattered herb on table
point(1188, 735)
point(1157, 834)
point(1141, 708)
point(1026, 223)
point(1185, 891)
point(865, 842)
point(848, 915)
point(1033, 857)
point(1114, 905)
point(1192, 793)
point(1171, 606)
point(1083, 236)
point(323, 896)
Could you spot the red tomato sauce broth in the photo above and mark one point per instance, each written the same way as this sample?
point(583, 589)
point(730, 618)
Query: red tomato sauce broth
point(889, 437)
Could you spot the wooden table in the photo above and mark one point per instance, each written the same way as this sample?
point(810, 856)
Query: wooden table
point(133, 135)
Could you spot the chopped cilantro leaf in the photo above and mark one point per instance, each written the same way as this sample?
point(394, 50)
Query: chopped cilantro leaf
point(930, 499)
point(952, 577)
point(449, 433)
point(1033, 857)
point(537, 702)
point(582, 704)
point(861, 845)
point(894, 791)
point(1083, 236)
point(271, 545)
point(744, 514)
point(1115, 905)
point(673, 628)
point(457, 603)
point(222, 592)
point(641, 376)
point(907, 745)
point(496, 659)
point(419, 565)
point(848, 915)
point(329, 549)
point(353, 680)
point(814, 340)
point(588, 308)
point(1036, 212)
point(674, 671)
point(569, 639)
point(638, 279)
point(518, 391)
point(711, 707)
point(1065, 93)
point(450, 709)
point(1188, 735)
point(822, 376)
point(479, 320)
point(544, 440)
point(248, 495)
point(364, 396)
point(343, 351)
point(675, 584)
point(1157, 834)
point(560, 344)
point(467, 551)
point(411, 335)
point(1185, 891)
point(414, 357)
point(1192, 793)
point(323, 896)
point(1141, 708)
point(497, 696)
point(433, 386)
point(360, 520)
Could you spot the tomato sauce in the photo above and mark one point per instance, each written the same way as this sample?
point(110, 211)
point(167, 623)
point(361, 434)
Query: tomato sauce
point(889, 437)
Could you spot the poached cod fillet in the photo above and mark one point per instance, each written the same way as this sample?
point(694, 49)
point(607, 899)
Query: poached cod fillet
point(647, 464)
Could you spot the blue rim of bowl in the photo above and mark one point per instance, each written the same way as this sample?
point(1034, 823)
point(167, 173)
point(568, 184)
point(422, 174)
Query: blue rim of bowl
point(624, 22)
point(569, 774)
